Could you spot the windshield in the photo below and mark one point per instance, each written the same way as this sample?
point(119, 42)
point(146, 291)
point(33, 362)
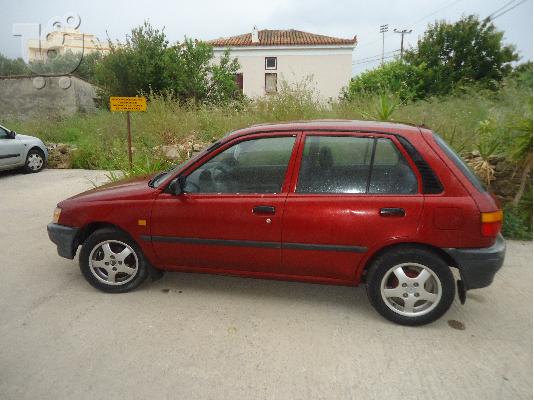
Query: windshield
point(462, 166)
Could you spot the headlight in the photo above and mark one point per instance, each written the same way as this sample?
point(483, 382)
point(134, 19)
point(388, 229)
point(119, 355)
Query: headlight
point(57, 213)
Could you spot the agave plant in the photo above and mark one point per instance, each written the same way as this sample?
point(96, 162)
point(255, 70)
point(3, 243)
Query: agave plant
point(488, 143)
point(384, 108)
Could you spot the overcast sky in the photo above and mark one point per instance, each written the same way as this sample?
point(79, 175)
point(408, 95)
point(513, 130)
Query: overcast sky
point(208, 19)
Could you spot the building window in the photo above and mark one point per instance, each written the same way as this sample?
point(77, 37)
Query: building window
point(270, 62)
point(270, 83)
point(239, 81)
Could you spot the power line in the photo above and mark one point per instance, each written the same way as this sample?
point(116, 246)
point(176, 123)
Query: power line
point(447, 3)
point(377, 55)
point(507, 10)
point(500, 8)
point(376, 59)
point(434, 12)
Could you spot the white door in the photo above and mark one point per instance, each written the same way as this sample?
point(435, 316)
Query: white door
point(11, 149)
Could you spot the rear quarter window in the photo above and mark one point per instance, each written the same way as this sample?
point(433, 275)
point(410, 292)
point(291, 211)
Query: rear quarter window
point(460, 164)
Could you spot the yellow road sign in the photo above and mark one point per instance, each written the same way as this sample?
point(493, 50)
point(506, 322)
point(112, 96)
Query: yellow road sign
point(127, 103)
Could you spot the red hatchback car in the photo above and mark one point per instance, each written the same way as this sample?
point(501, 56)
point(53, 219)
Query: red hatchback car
point(334, 202)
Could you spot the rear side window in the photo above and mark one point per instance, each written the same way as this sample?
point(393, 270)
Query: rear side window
point(391, 173)
point(455, 158)
point(345, 164)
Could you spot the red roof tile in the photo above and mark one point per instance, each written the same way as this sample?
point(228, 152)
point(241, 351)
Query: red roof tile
point(289, 37)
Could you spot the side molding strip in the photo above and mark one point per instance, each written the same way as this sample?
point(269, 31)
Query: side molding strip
point(9, 156)
point(250, 243)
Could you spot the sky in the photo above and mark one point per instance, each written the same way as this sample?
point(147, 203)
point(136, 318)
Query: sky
point(209, 19)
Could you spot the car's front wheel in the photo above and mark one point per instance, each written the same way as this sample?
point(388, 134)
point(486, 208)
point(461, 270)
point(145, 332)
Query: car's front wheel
point(112, 262)
point(410, 286)
point(35, 161)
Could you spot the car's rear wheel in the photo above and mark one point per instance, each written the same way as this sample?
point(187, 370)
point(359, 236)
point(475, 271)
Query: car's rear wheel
point(111, 261)
point(410, 286)
point(35, 161)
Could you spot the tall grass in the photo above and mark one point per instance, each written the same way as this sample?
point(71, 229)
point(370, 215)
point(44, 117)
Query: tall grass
point(101, 136)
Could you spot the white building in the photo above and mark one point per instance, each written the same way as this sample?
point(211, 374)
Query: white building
point(58, 43)
point(268, 57)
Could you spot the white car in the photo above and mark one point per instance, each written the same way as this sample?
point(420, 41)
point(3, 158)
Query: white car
point(21, 151)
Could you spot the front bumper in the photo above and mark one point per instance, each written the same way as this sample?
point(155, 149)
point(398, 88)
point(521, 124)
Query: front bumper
point(478, 266)
point(64, 238)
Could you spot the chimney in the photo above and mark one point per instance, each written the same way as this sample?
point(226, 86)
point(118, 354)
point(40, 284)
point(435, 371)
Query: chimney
point(255, 35)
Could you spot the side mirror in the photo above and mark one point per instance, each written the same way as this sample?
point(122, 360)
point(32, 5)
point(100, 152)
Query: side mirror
point(12, 134)
point(179, 185)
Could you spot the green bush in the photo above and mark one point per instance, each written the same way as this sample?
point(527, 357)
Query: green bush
point(405, 80)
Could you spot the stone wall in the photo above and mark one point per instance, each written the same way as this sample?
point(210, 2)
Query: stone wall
point(45, 95)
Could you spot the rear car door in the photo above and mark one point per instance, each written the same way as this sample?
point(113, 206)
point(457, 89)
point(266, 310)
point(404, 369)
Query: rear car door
point(352, 193)
point(11, 149)
point(231, 214)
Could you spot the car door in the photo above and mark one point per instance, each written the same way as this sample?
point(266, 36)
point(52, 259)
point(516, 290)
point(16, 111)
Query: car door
point(11, 149)
point(230, 216)
point(351, 193)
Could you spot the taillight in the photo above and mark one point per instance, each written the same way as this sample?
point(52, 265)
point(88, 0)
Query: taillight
point(491, 223)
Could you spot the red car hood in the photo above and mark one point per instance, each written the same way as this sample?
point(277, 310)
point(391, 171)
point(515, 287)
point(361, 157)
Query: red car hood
point(127, 189)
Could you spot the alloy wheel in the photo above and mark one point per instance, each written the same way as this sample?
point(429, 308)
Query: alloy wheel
point(113, 262)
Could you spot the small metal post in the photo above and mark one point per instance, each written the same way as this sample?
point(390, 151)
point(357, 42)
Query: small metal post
point(129, 139)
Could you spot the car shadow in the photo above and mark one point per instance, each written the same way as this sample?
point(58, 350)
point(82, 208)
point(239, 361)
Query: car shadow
point(11, 172)
point(178, 283)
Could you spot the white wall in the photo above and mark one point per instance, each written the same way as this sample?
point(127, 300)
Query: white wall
point(329, 67)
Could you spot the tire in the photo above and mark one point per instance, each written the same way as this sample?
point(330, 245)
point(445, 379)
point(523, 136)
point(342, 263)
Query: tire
point(410, 286)
point(35, 161)
point(112, 262)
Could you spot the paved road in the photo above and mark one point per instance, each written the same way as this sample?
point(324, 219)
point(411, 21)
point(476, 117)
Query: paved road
point(192, 336)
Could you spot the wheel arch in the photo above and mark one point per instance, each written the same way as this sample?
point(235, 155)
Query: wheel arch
point(362, 271)
point(90, 228)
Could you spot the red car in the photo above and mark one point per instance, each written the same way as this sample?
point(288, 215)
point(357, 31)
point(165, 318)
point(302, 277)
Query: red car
point(334, 202)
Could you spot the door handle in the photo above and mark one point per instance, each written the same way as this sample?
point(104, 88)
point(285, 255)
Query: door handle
point(392, 212)
point(264, 210)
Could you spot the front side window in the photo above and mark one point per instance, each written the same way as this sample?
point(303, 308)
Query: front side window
point(346, 164)
point(250, 166)
point(4, 134)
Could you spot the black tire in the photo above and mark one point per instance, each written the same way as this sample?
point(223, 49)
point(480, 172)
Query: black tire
point(93, 254)
point(409, 308)
point(35, 161)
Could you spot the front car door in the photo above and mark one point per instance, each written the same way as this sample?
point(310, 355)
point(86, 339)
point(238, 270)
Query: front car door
point(352, 192)
point(11, 149)
point(230, 216)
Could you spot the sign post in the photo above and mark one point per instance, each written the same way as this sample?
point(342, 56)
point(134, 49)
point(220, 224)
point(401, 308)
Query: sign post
point(136, 104)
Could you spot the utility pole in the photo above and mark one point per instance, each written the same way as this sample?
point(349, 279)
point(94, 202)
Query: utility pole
point(402, 33)
point(383, 29)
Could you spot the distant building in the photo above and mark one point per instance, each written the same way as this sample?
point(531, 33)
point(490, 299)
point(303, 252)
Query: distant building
point(59, 42)
point(268, 57)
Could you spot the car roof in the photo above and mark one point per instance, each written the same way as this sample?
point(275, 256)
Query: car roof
point(328, 125)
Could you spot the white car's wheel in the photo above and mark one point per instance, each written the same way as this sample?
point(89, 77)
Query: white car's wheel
point(35, 161)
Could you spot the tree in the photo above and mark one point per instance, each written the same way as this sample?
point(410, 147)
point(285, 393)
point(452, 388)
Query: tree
point(10, 67)
point(146, 63)
point(77, 64)
point(136, 66)
point(468, 50)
